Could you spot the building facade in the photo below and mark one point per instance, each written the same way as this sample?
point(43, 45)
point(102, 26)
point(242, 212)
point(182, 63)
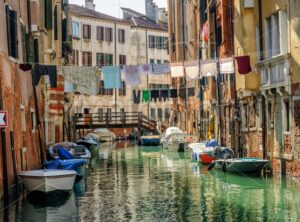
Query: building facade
point(100, 40)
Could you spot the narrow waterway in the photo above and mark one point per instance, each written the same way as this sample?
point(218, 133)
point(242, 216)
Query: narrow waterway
point(148, 184)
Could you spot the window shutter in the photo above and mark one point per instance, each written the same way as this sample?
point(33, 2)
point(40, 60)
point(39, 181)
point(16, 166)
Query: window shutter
point(64, 31)
point(14, 33)
point(48, 14)
point(7, 10)
point(36, 50)
point(24, 49)
point(55, 24)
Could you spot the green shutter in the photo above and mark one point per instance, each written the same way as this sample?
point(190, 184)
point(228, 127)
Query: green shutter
point(7, 10)
point(24, 49)
point(55, 24)
point(48, 14)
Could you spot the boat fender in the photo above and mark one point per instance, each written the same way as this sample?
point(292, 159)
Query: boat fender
point(211, 166)
point(224, 169)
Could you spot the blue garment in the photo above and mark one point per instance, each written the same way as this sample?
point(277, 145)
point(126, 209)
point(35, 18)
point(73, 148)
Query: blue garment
point(112, 77)
point(212, 143)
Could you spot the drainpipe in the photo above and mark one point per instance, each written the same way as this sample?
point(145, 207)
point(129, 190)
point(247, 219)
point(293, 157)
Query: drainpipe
point(148, 104)
point(115, 39)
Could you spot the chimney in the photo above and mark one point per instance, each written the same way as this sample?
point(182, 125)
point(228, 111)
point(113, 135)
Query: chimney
point(90, 4)
point(151, 10)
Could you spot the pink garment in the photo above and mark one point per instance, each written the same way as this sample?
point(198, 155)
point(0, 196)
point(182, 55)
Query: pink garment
point(244, 66)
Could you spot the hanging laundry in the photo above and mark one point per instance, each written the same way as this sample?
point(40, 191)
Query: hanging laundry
point(25, 67)
point(132, 75)
point(173, 93)
point(161, 68)
point(136, 96)
point(177, 70)
point(182, 92)
point(205, 32)
point(164, 95)
point(85, 79)
point(146, 96)
point(146, 69)
point(244, 66)
point(192, 70)
point(208, 68)
point(154, 95)
point(69, 87)
point(49, 70)
point(226, 65)
point(191, 91)
point(112, 77)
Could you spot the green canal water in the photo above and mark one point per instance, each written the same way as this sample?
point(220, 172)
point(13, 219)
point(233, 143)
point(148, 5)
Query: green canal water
point(148, 184)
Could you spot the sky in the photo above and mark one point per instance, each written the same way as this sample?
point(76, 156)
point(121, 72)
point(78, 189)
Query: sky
point(111, 7)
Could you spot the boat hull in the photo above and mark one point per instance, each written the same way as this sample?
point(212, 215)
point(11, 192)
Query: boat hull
point(49, 182)
point(241, 165)
point(175, 147)
point(206, 158)
point(150, 141)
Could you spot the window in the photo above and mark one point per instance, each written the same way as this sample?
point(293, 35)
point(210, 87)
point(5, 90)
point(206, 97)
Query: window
point(159, 114)
point(219, 36)
point(103, 91)
point(245, 116)
point(75, 57)
point(270, 116)
point(75, 29)
point(122, 90)
point(86, 58)
point(121, 36)
point(151, 41)
point(86, 111)
point(86, 31)
point(23, 118)
point(48, 14)
point(122, 59)
point(33, 119)
point(104, 59)
point(158, 61)
point(276, 37)
point(167, 114)
point(108, 34)
point(109, 114)
point(166, 43)
point(12, 32)
point(100, 33)
point(159, 42)
point(153, 113)
point(286, 116)
point(166, 61)
point(55, 23)
point(158, 86)
point(152, 61)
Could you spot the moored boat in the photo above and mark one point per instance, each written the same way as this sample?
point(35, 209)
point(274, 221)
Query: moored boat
point(175, 139)
point(105, 135)
point(150, 140)
point(48, 180)
point(241, 165)
point(75, 151)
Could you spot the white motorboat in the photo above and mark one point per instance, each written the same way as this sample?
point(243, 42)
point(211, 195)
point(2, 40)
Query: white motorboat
point(48, 180)
point(175, 139)
point(105, 135)
point(77, 151)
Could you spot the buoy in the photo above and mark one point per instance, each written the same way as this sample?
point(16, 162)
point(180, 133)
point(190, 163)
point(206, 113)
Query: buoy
point(211, 166)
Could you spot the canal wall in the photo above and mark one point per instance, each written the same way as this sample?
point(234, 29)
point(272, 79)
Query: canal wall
point(25, 122)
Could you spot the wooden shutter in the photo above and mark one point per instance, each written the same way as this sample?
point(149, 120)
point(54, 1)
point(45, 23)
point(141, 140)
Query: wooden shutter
point(86, 31)
point(108, 34)
point(64, 30)
point(100, 33)
point(7, 10)
point(55, 23)
point(48, 14)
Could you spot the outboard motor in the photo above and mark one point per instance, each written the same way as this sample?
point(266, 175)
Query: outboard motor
point(181, 147)
point(227, 154)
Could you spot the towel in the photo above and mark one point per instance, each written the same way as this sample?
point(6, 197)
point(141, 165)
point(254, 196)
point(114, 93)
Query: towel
point(192, 70)
point(146, 96)
point(136, 96)
point(161, 68)
point(209, 68)
point(112, 77)
point(173, 93)
point(226, 65)
point(154, 95)
point(132, 75)
point(244, 66)
point(146, 69)
point(191, 91)
point(177, 70)
point(182, 92)
point(164, 95)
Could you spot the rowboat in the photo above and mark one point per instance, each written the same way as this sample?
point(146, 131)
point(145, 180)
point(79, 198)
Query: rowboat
point(48, 180)
point(150, 140)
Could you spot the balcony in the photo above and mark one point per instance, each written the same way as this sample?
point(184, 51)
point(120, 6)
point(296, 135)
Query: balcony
point(274, 72)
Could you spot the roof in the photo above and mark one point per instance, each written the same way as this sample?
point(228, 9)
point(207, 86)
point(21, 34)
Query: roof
point(145, 22)
point(82, 11)
point(135, 13)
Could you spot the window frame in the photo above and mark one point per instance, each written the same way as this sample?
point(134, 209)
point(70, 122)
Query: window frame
point(121, 36)
point(86, 36)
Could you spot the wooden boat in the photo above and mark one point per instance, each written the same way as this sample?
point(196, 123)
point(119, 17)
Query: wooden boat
point(150, 140)
point(48, 180)
point(241, 165)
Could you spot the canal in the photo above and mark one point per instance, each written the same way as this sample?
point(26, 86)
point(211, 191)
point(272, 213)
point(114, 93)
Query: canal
point(148, 184)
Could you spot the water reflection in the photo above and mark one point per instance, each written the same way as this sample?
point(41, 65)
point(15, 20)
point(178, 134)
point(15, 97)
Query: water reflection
point(150, 184)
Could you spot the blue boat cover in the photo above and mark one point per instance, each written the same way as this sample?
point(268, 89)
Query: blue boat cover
point(64, 154)
point(212, 143)
point(64, 164)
